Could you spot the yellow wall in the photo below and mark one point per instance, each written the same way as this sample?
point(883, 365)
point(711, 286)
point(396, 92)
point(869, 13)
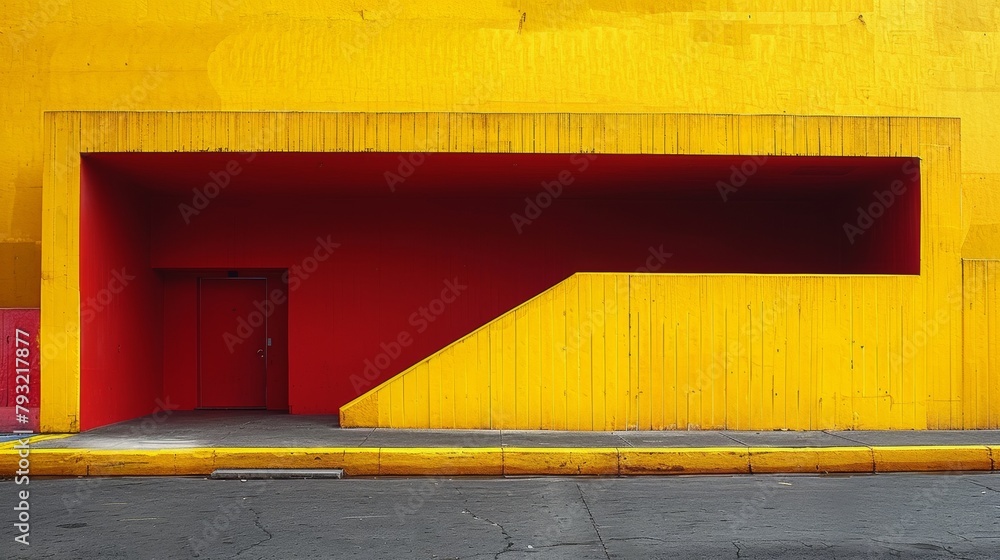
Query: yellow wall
point(981, 280)
point(805, 57)
point(845, 57)
point(668, 351)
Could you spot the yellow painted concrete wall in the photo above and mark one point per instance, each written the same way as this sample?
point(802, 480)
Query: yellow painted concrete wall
point(845, 57)
point(981, 314)
point(655, 351)
point(805, 57)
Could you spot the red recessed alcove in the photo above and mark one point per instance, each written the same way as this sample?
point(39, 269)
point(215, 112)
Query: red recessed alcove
point(504, 227)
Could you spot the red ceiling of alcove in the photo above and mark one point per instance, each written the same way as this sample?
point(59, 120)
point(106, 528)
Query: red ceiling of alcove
point(460, 174)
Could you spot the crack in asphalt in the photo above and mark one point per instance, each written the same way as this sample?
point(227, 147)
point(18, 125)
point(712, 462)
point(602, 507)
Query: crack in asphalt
point(738, 549)
point(503, 531)
point(256, 521)
point(592, 521)
point(983, 486)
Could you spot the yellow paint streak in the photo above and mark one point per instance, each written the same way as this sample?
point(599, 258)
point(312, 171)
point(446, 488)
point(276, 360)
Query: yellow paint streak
point(33, 440)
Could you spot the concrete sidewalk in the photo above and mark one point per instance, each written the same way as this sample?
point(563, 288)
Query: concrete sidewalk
point(195, 443)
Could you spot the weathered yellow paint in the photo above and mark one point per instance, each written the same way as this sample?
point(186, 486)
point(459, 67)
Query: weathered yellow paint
point(60, 310)
point(440, 461)
point(765, 460)
point(933, 458)
point(599, 368)
point(717, 460)
point(560, 461)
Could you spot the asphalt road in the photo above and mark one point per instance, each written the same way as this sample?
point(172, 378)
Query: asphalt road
point(883, 516)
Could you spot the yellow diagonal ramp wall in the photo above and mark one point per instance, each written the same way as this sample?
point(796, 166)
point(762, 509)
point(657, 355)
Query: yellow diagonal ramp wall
point(679, 351)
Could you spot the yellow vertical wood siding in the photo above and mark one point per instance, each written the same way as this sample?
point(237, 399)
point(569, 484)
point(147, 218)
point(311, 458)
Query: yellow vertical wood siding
point(738, 352)
point(981, 312)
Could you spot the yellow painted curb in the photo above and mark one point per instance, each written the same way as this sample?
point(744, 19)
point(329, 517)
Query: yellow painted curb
point(933, 458)
point(485, 461)
point(53, 462)
point(668, 460)
point(810, 460)
point(494, 461)
point(560, 460)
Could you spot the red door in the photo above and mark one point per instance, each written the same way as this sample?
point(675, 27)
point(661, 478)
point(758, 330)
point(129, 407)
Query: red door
point(232, 343)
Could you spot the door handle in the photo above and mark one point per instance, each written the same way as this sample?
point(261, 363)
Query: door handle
point(260, 352)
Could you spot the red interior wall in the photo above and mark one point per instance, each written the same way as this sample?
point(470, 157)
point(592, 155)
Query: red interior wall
point(120, 298)
point(395, 255)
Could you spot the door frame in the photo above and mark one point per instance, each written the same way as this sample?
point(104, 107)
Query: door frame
point(198, 405)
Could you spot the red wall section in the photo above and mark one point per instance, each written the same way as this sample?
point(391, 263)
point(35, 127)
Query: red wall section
point(120, 299)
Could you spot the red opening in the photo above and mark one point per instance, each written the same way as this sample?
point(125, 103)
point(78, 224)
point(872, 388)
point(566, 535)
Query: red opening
point(385, 258)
